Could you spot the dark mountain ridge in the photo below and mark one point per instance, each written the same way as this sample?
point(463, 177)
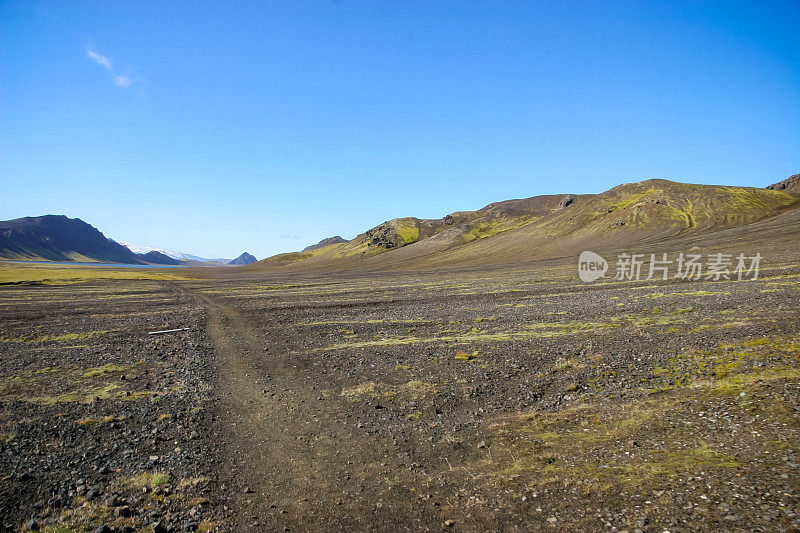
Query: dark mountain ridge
point(336, 239)
point(59, 238)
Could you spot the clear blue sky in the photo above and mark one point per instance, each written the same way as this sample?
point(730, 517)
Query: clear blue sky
point(218, 127)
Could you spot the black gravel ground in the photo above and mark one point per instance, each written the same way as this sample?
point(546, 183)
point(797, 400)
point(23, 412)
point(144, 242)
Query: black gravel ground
point(484, 400)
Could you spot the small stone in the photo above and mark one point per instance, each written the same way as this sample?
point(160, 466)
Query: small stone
point(103, 529)
point(552, 519)
point(32, 525)
point(482, 444)
point(449, 523)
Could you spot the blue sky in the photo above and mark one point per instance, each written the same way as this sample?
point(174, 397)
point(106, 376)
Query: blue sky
point(218, 127)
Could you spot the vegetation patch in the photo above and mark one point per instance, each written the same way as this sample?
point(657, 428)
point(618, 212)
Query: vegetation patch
point(110, 368)
point(62, 275)
point(748, 357)
point(51, 386)
point(408, 231)
point(465, 356)
point(56, 338)
point(145, 479)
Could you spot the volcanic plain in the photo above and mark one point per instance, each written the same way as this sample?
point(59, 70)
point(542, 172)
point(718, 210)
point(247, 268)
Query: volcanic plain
point(480, 399)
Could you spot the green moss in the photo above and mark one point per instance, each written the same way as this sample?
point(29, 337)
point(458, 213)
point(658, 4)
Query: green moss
point(629, 198)
point(51, 386)
point(68, 274)
point(408, 231)
point(687, 293)
point(110, 368)
point(465, 356)
point(733, 385)
point(60, 528)
point(56, 338)
point(145, 479)
point(732, 365)
point(488, 228)
point(82, 395)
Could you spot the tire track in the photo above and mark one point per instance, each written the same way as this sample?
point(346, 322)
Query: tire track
point(286, 439)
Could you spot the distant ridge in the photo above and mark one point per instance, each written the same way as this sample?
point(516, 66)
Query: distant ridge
point(337, 239)
point(244, 259)
point(158, 258)
point(58, 238)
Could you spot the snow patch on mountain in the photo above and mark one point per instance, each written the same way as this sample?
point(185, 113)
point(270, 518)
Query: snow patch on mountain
point(143, 249)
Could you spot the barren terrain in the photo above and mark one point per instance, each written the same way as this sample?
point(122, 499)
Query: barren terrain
point(489, 399)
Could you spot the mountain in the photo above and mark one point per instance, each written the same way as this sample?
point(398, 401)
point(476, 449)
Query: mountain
point(337, 239)
point(633, 214)
point(244, 259)
point(158, 258)
point(58, 238)
point(181, 256)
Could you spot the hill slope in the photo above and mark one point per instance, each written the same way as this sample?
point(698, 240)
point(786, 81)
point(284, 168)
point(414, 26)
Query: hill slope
point(58, 238)
point(511, 231)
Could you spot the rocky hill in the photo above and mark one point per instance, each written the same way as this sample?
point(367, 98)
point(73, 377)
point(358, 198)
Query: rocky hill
point(790, 184)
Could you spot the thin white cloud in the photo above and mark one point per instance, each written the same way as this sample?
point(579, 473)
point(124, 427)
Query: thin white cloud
point(293, 236)
point(100, 59)
point(117, 77)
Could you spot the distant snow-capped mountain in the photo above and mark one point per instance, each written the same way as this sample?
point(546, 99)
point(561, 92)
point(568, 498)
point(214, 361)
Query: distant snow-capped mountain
point(143, 249)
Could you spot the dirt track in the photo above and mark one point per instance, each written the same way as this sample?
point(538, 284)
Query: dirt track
point(285, 437)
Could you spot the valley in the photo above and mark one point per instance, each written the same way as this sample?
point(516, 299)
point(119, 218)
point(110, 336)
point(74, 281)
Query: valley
point(426, 375)
point(482, 399)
